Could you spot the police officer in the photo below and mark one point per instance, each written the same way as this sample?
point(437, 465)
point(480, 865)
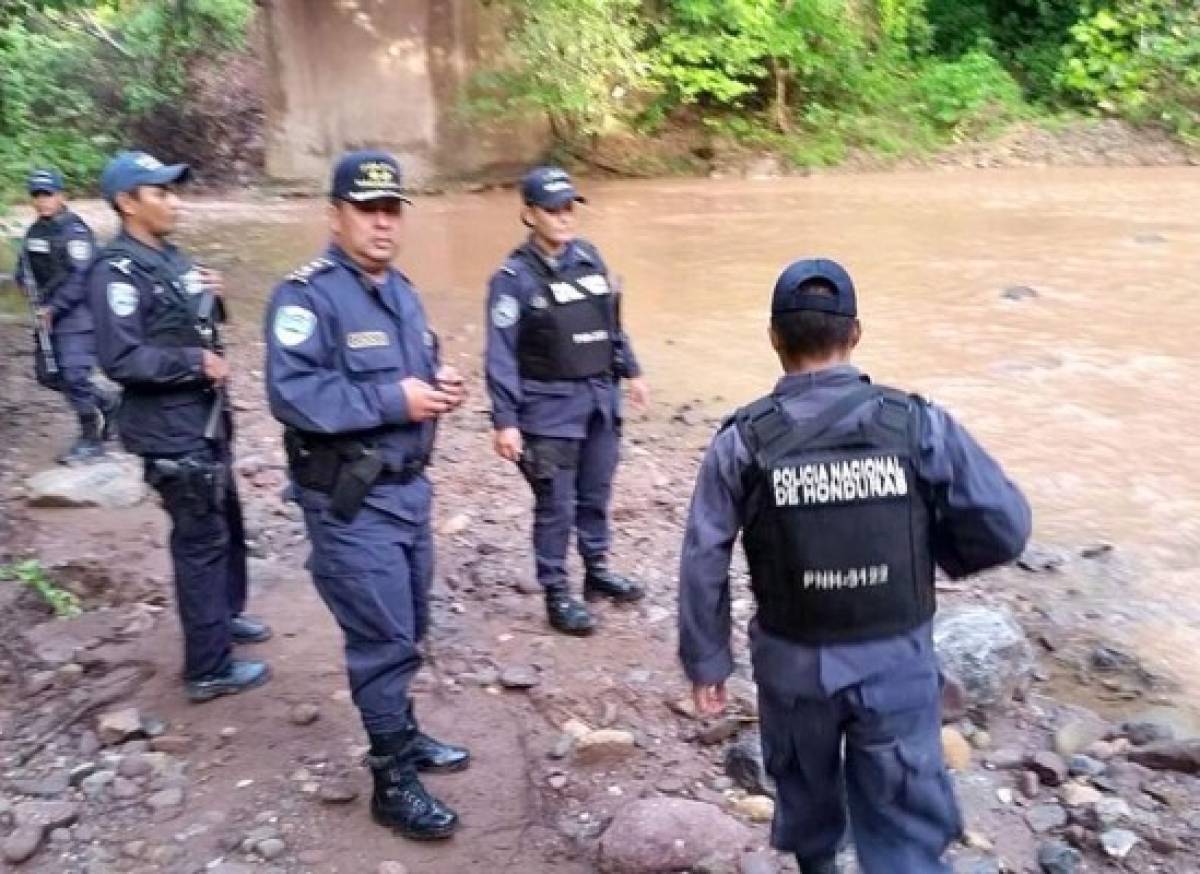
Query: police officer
point(156, 315)
point(555, 354)
point(56, 253)
point(847, 494)
point(353, 373)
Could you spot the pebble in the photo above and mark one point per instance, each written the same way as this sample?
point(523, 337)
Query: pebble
point(606, 743)
point(134, 766)
point(719, 731)
point(758, 808)
point(338, 792)
point(228, 733)
point(304, 714)
point(1086, 766)
point(1056, 857)
point(1080, 794)
point(1110, 811)
point(124, 789)
point(22, 844)
point(89, 743)
point(1118, 842)
point(955, 749)
point(1030, 784)
point(519, 677)
point(93, 786)
point(1046, 817)
point(174, 744)
point(557, 781)
point(166, 799)
point(271, 849)
point(118, 726)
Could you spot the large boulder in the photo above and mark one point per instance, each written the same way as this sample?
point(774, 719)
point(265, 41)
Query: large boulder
point(112, 485)
point(984, 651)
point(669, 834)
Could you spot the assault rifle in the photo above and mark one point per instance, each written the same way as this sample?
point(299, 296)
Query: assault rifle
point(207, 327)
point(48, 363)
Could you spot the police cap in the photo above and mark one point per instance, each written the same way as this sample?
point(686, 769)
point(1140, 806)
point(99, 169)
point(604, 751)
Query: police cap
point(129, 171)
point(788, 297)
point(549, 188)
point(367, 175)
point(45, 181)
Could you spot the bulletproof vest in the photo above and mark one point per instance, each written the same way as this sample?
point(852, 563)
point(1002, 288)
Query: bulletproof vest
point(837, 526)
point(48, 259)
point(568, 331)
point(179, 314)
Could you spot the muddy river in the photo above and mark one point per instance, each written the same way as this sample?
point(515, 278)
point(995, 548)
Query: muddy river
point(1081, 378)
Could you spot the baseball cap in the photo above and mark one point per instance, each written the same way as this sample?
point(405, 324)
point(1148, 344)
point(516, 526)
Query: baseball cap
point(549, 188)
point(130, 170)
point(365, 175)
point(45, 181)
point(788, 298)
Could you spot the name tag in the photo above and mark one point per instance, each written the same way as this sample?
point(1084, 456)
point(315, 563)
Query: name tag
point(367, 339)
point(39, 246)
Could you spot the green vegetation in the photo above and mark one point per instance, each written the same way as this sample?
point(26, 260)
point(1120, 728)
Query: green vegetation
point(31, 573)
point(814, 79)
point(80, 79)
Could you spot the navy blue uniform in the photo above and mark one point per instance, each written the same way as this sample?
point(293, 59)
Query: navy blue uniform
point(338, 346)
point(879, 696)
point(571, 427)
point(147, 304)
point(57, 251)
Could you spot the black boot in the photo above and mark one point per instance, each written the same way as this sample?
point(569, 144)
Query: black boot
point(110, 404)
point(247, 629)
point(399, 801)
point(237, 677)
point(88, 446)
point(826, 865)
point(600, 582)
point(431, 756)
point(566, 614)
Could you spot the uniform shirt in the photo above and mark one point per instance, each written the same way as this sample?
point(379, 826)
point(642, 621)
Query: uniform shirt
point(133, 289)
point(338, 345)
point(66, 241)
point(980, 520)
point(548, 408)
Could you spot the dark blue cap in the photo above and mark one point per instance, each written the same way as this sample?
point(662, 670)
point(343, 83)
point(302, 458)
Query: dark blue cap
point(549, 188)
point(366, 175)
point(130, 170)
point(45, 181)
point(787, 297)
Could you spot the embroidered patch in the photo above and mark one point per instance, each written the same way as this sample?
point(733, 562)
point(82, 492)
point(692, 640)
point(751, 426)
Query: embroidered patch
point(293, 325)
point(38, 246)
point(367, 339)
point(596, 283)
point(79, 250)
point(505, 311)
point(122, 299)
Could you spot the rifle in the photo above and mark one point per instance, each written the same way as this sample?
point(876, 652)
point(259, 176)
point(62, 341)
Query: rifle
point(206, 325)
point(40, 331)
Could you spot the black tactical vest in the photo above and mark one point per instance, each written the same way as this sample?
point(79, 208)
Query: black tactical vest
point(48, 259)
point(568, 330)
point(837, 528)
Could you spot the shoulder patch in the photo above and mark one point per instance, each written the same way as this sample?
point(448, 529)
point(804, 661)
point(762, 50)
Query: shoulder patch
point(79, 250)
point(293, 325)
point(309, 270)
point(122, 299)
point(505, 311)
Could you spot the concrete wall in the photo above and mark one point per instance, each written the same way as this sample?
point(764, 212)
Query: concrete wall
point(382, 73)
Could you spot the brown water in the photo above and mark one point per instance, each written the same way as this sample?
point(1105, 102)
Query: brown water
point(1086, 392)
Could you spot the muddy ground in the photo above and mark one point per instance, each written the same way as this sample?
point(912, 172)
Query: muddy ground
point(256, 783)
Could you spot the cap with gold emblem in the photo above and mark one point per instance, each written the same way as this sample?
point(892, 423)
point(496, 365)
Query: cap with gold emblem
point(367, 175)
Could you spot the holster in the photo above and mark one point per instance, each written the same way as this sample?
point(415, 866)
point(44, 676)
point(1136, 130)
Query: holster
point(201, 482)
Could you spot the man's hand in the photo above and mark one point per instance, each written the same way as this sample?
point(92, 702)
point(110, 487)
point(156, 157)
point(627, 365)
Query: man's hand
point(424, 401)
point(212, 281)
point(508, 444)
point(215, 367)
point(47, 317)
point(451, 382)
point(710, 700)
point(639, 394)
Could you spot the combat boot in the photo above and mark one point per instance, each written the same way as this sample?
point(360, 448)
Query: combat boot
point(88, 446)
point(237, 677)
point(109, 407)
point(566, 614)
point(432, 756)
point(827, 865)
point(399, 801)
point(247, 629)
point(600, 582)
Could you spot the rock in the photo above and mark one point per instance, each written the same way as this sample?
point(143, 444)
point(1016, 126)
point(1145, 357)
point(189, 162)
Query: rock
point(605, 743)
point(761, 862)
point(954, 700)
point(94, 785)
point(1039, 559)
point(1079, 794)
point(338, 792)
point(955, 749)
point(1049, 767)
point(118, 726)
point(81, 772)
point(1181, 756)
point(271, 849)
point(1046, 817)
point(1056, 857)
point(1078, 735)
point(1142, 733)
point(576, 729)
point(124, 789)
point(456, 525)
point(304, 714)
point(976, 841)
point(719, 731)
point(669, 834)
point(1030, 785)
point(1111, 811)
point(1101, 750)
point(134, 766)
point(984, 650)
point(1184, 724)
point(1118, 842)
point(744, 763)
point(519, 677)
point(1086, 766)
point(1019, 292)
point(759, 808)
point(22, 844)
point(89, 743)
point(110, 485)
point(392, 868)
point(1006, 759)
point(50, 786)
point(46, 815)
point(174, 744)
point(981, 740)
point(166, 799)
